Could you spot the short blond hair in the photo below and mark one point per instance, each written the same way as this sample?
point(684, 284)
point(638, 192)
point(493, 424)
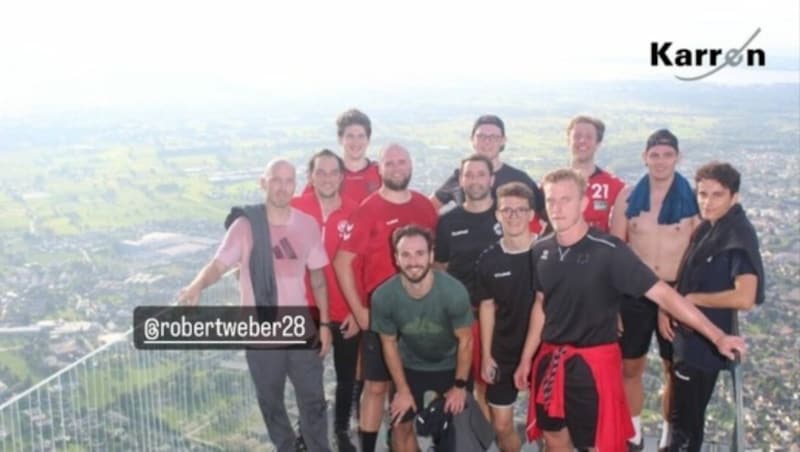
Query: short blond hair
point(563, 174)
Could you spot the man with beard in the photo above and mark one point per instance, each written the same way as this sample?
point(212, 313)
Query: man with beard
point(489, 139)
point(331, 210)
point(424, 319)
point(461, 236)
point(584, 135)
point(367, 238)
point(275, 278)
point(504, 286)
point(579, 277)
point(721, 274)
point(660, 214)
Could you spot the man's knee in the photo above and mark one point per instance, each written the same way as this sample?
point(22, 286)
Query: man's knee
point(502, 421)
point(557, 441)
point(376, 388)
point(633, 368)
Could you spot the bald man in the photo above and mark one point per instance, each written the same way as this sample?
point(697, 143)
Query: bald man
point(276, 278)
point(368, 237)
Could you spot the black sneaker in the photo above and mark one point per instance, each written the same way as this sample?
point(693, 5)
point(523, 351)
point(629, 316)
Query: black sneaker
point(636, 447)
point(343, 441)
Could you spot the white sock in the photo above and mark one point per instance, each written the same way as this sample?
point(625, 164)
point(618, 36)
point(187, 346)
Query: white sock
point(637, 429)
point(665, 431)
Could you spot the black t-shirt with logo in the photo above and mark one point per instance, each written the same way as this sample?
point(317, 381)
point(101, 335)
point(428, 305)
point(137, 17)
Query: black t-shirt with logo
point(506, 278)
point(461, 237)
point(583, 286)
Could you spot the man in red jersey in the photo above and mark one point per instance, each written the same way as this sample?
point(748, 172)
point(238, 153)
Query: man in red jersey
point(361, 176)
point(331, 210)
point(368, 238)
point(584, 135)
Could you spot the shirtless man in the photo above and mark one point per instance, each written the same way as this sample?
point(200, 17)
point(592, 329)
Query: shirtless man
point(660, 214)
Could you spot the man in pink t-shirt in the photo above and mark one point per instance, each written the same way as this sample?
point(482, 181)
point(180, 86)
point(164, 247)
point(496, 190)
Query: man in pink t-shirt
point(296, 245)
point(368, 238)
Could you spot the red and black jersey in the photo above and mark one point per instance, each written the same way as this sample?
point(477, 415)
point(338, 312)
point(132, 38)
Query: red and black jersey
point(368, 234)
point(602, 189)
point(332, 229)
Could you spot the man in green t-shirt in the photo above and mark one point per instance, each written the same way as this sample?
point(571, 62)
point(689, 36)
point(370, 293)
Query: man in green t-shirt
point(424, 319)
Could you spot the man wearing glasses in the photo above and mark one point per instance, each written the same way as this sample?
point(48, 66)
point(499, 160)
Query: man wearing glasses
point(489, 139)
point(505, 290)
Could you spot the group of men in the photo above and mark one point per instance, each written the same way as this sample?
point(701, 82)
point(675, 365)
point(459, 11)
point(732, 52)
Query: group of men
point(470, 300)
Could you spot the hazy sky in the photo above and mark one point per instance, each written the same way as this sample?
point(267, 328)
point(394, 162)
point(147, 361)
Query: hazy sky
point(106, 52)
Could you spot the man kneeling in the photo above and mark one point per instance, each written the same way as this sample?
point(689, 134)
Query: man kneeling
point(424, 319)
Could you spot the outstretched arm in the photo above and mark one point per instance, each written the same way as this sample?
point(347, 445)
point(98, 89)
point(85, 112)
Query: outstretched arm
point(683, 310)
point(208, 275)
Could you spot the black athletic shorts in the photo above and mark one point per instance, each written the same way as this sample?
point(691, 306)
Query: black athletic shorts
point(503, 393)
point(580, 403)
point(422, 381)
point(639, 321)
point(374, 366)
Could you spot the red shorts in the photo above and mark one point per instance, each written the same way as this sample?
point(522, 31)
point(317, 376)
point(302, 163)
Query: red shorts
point(476, 353)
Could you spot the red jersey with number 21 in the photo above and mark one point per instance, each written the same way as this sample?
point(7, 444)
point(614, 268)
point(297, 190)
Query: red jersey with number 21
point(602, 190)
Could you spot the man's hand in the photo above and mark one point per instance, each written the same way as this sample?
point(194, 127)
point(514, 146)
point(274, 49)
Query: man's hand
point(189, 295)
point(728, 344)
point(488, 369)
point(325, 340)
point(454, 400)
point(521, 375)
point(362, 317)
point(401, 403)
point(349, 327)
point(666, 326)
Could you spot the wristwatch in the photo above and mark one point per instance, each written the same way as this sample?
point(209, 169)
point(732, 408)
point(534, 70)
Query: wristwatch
point(460, 383)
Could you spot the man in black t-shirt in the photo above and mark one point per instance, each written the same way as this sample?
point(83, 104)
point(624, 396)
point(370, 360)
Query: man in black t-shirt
point(722, 273)
point(489, 138)
point(580, 276)
point(461, 235)
point(503, 285)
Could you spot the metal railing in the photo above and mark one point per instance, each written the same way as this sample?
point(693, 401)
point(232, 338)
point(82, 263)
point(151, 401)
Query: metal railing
point(118, 398)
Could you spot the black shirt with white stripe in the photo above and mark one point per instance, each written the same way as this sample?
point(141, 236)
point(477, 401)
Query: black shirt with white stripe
point(461, 237)
point(506, 278)
point(583, 286)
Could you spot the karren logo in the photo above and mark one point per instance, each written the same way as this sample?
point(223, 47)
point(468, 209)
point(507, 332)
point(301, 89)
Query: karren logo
point(660, 54)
